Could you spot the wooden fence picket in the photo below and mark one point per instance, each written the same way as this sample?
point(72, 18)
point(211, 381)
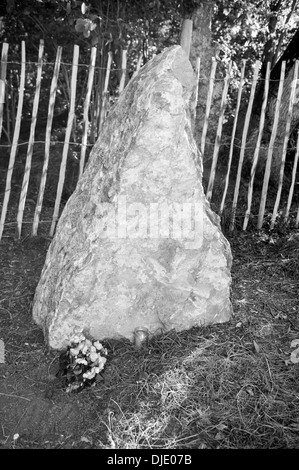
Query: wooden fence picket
point(270, 149)
point(138, 65)
point(294, 173)
point(257, 147)
point(186, 35)
point(42, 186)
point(26, 176)
point(10, 110)
point(91, 69)
point(68, 132)
point(197, 71)
point(208, 106)
point(123, 71)
point(285, 144)
point(243, 144)
point(96, 92)
point(3, 81)
point(218, 133)
point(14, 141)
point(105, 91)
point(231, 149)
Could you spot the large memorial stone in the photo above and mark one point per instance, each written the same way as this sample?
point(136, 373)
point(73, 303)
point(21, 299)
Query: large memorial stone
point(137, 243)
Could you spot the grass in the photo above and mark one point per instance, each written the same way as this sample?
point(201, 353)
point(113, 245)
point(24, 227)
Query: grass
point(228, 386)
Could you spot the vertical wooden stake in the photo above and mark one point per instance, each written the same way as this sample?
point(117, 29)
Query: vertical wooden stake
point(294, 173)
point(270, 150)
point(218, 134)
point(123, 70)
point(3, 81)
point(42, 186)
point(14, 141)
point(69, 126)
point(231, 150)
point(208, 106)
point(138, 65)
point(86, 108)
point(186, 35)
point(105, 90)
point(197, 71)
point(285, 143)
point(25, 183)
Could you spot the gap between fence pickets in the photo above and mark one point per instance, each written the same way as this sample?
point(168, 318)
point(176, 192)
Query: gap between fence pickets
point(103, 111)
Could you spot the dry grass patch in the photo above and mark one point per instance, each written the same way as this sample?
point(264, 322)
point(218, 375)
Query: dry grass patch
point(217, 394)
point(218, 387)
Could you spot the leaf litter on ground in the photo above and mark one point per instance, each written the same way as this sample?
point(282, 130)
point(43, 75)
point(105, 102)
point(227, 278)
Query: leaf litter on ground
point(232, 385)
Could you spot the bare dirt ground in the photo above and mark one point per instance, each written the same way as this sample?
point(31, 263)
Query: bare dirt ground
point(224, 386)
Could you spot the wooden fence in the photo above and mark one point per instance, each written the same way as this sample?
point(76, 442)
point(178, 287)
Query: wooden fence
point(231, 178)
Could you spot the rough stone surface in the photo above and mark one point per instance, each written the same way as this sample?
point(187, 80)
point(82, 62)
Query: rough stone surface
point(107, 283)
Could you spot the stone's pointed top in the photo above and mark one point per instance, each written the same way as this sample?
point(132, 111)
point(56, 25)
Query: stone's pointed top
point(182, 68)
point(137, 243)
point(175, 59)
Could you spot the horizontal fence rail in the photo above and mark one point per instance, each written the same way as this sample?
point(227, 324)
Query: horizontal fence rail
point(30, 179)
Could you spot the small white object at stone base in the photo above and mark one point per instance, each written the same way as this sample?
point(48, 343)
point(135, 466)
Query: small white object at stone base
point(140, 336)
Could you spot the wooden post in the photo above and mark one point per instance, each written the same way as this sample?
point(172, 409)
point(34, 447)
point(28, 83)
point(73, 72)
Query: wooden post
point(257, 147)
point(69, 126)
point(186, 35)
point(14, 141)
point(243, 144)
point(233, 135)
point(294, 173)
point(2, 81)
point(42, 186)
point(285, 143)
point(86, 108)
point(123, 70)
point(218, 134)
point(197, 71)
point(270, 150)
point(10, 107)
point(105, 91)
point(25, 183)
point(208, 106)
point(138, 65)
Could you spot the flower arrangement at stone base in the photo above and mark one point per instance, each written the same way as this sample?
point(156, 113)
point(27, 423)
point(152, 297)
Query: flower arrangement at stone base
point(82, 363)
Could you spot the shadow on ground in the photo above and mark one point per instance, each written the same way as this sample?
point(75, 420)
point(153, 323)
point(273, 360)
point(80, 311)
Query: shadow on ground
point(225, 386)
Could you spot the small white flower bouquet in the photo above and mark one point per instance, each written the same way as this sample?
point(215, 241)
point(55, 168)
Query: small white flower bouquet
point(82, 363)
